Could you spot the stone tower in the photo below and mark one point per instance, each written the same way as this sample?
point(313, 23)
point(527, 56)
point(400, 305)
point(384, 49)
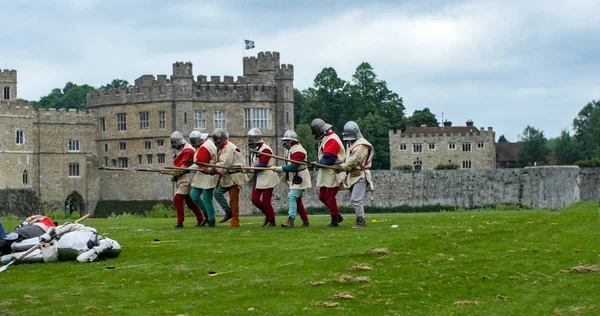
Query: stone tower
point(8, 84)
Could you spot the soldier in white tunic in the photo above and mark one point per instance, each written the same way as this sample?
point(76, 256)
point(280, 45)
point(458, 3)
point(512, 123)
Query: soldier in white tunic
point(203, 184)
point(265, 180)
point(357, 164)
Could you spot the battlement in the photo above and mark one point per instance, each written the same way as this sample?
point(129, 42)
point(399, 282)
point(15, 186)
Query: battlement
point(8, 76)
point(65, 116)
point(15, 107)
point(264, 62)
point(284, 71)
point(183, 70)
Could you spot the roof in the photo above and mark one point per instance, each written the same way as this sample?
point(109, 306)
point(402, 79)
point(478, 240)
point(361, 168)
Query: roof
point(439, 130)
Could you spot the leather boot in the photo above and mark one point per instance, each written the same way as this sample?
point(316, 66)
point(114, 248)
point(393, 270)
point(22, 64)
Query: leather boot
point(204, 220)
point(305, 223)
point(340, 218)
point(360, 223)
point(334, 221)
point(289, 223)
point(210, 223)
point(265, 222)
point(227, 217)
point(179, 225)
point(272, 223)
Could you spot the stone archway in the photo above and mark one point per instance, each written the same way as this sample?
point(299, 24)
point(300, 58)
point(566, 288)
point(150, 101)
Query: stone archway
point(74, 204)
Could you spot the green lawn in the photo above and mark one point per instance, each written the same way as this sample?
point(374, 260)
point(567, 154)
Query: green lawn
point(454, 263)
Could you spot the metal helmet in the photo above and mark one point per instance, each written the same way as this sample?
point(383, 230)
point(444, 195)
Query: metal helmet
point(177, 139)
point(351, 131)
point(290, 135)
point(219, 137)
point(254, 136)
point(197, 138)
point(319, 128)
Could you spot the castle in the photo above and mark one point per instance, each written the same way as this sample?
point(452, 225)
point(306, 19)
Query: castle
point(57, 153)
point(425, 147)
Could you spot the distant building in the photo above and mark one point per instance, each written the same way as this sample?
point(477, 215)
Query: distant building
point(424, 147)
point(56, 153)
point(507, 154)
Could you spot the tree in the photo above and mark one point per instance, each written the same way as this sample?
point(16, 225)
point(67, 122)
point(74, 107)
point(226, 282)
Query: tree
point(308, 141)
point(325, 100)
point(587, 129)
point(299, 101)
point(423, 117)
point(533, 147)
point(376, 130)
point(502, 139)
point(567, 149)
point(71, 96)
point(116, 83)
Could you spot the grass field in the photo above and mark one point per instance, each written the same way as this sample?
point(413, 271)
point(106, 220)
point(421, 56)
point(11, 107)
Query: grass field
point(455, 263)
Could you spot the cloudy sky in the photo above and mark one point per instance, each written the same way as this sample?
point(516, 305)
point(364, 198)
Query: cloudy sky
point(504, 64)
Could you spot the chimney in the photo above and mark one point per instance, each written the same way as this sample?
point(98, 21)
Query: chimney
point(469, 123)
point(447, 124)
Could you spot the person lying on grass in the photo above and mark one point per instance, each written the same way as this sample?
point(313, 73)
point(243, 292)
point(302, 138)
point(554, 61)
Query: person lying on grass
point(70, 241)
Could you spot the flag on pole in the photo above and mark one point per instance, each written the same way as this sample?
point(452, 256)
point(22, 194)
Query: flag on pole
point(249, 44)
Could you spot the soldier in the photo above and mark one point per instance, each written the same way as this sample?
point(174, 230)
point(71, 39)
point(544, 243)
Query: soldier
point(71, 241)
point(228, 155)
point(357, 164)
point(297, 177)
point(183, 153)
point(331, 152)
point(265, 180)
point(203, 184)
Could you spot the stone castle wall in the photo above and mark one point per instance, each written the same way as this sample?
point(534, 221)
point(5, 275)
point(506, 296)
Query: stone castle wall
point(16, 159)
point(590, 184)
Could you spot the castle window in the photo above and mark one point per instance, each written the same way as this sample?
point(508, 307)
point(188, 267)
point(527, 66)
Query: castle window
point(145, 120)
point(73, 170)
point(402, 146)
point(114, 161)
point(466, 164)
point(417, 148)
point(25, 177)
point(149, 157)
point(220, 119)
point(199, 119)
point(140, 159)
point(162, 119)
point(451, 146)
point(480, 145)
point(147, 144)
point(122, 146)
point(257, 118)
point(160, 158)
point(418, 164)
point(160, 142)
point(184, 117)
point(123, 162)
point(466, 147)
point(102, 124)
point(74, 145)
point(105, 161)
point(431, 146)
point(20, 137)
point(6, 93)
point(121, 121)
point(106, 148)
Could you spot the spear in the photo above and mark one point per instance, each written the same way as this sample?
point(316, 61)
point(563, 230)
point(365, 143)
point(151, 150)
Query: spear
point(302, 162)
point(161, 171)
point(232, 167)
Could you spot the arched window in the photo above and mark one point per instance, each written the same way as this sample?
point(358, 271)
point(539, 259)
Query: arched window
point(25, 177)
point(6, 93)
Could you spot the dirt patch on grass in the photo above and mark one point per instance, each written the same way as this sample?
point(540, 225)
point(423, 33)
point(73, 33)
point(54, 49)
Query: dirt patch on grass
point(380, 251)
point(346, 295)
point(463, 303)
point(360, 266)
point(351, 278)
point(582, 269)
point(317, 283)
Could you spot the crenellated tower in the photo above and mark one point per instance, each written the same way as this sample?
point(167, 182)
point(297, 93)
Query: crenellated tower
point(8, 84)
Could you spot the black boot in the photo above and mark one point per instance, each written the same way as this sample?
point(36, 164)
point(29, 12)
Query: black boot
point(271, 223)
point(305, 223)
point(179, 225)
point(204, 221)
point(227, 217)
point(340, 218)
point(265, 222)
point(210, 223)
point(334, 221)
point(360, 223)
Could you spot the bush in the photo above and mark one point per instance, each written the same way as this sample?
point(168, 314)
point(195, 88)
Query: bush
point(591, 163)
point(404, 168)
point(160, 211)
point(450, 166)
